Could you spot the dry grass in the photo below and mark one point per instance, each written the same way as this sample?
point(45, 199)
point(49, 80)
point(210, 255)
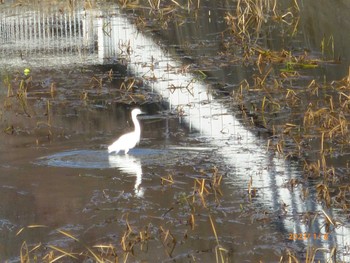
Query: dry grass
point(204, 196)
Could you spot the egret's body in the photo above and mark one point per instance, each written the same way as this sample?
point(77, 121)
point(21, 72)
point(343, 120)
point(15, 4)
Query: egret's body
point(128, 140)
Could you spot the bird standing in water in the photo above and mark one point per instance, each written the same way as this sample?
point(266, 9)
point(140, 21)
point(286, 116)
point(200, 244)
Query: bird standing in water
point(128, 140)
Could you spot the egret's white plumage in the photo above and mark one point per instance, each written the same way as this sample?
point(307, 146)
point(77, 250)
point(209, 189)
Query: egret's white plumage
point(128, 140)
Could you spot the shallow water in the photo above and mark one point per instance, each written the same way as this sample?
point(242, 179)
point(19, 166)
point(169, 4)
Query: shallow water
point(55, 170)
point(88, 195)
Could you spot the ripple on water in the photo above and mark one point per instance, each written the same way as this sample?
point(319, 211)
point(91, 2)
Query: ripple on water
point(6, 224)
point(100, 159)
point(96, 159)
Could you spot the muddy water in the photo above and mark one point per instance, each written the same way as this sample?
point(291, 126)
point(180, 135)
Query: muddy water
point(71, 184)
point(55, 170)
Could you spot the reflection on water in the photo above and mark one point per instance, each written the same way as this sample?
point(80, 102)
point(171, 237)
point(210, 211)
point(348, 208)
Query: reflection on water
point(97, 159)
point(93, 159)
point(130, 165)
point(50, 32)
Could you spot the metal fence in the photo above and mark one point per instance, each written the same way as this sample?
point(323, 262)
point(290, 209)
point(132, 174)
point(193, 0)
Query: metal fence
point(33, 31)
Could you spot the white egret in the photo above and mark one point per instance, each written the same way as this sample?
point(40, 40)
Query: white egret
point(128, 140)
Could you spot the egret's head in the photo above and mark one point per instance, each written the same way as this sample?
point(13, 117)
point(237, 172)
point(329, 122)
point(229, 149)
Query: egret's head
point(136, 112)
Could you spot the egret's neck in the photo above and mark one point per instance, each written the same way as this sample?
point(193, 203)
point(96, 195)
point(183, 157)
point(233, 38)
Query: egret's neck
point(136, 124)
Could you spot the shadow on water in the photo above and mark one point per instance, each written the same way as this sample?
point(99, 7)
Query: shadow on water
point(165, 195)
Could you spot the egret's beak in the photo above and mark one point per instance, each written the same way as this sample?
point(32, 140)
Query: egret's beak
point(142, 114)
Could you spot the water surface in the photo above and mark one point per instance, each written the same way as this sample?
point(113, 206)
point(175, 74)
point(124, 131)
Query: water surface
point(55, 170)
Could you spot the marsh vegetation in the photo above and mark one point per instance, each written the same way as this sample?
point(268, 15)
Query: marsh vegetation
point(251, 56)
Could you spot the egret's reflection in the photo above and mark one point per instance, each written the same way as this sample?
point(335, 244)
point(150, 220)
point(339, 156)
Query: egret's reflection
point(130, 165)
